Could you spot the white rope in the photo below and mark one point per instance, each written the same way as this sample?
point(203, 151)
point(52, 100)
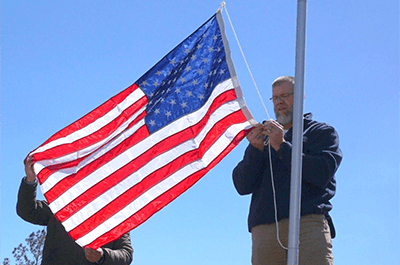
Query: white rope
point(273, 191)
point(266, 143)
point(223, 5)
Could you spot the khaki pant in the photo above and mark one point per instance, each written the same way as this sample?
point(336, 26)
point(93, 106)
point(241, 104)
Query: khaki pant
point(315, 242)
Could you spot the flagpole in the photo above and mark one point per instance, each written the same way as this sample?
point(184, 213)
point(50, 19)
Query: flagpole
point(295, 187)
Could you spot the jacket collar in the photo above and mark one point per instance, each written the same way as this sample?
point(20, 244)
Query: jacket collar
point(307, 118)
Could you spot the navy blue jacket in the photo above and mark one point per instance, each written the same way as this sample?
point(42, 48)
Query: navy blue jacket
point(321, 158)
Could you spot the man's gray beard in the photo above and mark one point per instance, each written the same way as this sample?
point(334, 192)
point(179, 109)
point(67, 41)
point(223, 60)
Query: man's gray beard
point(285, 118)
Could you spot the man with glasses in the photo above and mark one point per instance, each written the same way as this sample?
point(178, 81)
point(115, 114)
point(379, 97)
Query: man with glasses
point(265, 173)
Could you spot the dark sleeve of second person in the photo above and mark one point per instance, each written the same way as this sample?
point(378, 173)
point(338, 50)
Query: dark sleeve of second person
point(30, 209)
point(119, 252)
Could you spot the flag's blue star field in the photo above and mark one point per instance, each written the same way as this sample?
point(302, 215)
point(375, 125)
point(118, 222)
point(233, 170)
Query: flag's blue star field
point(183, 80)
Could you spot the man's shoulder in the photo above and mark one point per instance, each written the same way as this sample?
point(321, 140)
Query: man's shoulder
point(315, 124)
point(320, 130)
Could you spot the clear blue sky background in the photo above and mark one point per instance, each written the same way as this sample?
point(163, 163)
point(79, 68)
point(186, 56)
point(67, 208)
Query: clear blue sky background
point(61, 59)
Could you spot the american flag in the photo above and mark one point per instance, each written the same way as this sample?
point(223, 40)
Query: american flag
point(112, 169)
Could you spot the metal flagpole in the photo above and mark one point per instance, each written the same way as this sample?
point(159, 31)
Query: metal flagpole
point(295, 186)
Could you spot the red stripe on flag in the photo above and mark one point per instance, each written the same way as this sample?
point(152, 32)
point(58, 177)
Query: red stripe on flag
point(47, 171)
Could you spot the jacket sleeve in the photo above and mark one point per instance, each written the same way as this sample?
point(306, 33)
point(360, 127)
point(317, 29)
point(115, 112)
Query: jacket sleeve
point(121, 252)
point(321, 155)
point(247, 175)
point(30, 209)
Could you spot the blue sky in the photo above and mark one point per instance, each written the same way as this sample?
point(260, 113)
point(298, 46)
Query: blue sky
point(59, 60)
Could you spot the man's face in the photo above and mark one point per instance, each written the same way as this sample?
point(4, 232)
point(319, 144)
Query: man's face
point(283, 103)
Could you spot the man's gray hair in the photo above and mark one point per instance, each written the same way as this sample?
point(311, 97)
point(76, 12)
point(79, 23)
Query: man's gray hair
point(283, 79)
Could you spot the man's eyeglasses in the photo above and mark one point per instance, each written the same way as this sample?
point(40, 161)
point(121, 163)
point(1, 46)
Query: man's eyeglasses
point(281, 97)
